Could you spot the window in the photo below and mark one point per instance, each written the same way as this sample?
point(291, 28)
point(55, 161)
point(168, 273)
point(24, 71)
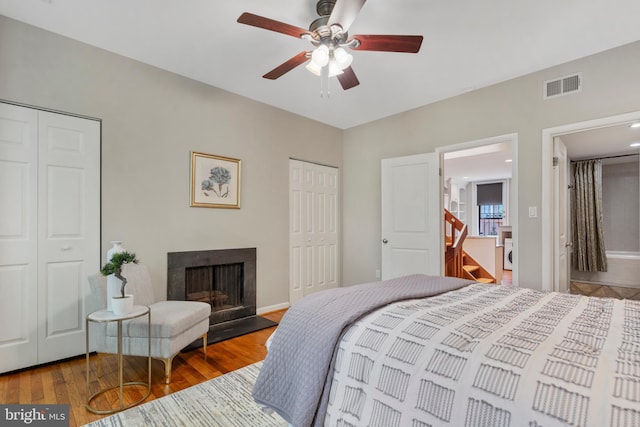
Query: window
point(490, 219)
point(490, 208)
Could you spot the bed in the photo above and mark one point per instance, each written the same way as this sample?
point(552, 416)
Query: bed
point(433, 351)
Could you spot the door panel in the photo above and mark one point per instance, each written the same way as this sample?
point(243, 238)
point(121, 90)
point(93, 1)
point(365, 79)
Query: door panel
point(295, 231)
point(65, 216)
point(64, 302)
point(69, 230)
point(313, 234)
point(411, 216)
point(18, 237)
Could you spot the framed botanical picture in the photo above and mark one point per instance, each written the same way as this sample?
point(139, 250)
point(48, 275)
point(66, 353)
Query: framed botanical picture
point(215, 181)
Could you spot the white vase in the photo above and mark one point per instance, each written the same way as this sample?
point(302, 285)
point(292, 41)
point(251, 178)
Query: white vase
point(113, 283)
point(122, 306)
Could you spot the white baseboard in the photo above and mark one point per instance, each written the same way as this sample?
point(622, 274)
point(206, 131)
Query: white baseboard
point(270, 308)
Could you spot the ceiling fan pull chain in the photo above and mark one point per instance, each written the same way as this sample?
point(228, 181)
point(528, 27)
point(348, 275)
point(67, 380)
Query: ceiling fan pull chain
point(324, 82)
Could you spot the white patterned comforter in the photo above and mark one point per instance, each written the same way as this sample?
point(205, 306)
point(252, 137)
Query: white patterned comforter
point(489, 355)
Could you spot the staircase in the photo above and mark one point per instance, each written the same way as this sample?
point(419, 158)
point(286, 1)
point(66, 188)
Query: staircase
point(459, 263)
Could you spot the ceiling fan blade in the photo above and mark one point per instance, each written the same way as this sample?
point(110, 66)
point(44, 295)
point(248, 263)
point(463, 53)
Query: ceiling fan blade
point(348, 78)
point(271, 24)
point(287, 66)
point(388, 43)
point(345, 12)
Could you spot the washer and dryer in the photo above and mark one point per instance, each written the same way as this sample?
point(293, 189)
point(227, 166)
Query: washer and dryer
point(508, 254)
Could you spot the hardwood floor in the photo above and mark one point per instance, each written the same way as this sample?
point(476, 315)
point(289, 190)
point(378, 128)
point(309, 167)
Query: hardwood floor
point(65, 382)
point(507, 277)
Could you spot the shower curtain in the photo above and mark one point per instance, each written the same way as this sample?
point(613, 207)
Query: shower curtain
point(586, 207)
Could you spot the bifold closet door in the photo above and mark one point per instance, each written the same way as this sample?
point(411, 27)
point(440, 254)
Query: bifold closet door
point(49, 232)
point(313, 231)
point(18, 237)
point(68, 230)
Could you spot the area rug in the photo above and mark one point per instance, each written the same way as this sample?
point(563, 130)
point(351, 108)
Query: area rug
point(224, 401)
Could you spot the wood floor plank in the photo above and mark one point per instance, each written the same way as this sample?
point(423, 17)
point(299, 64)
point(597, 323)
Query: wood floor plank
point(49, 395)
point(37, 391)
point(65, 382)
point(25, 386)
point(3, 387)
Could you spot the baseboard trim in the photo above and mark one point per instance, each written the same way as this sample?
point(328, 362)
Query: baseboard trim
point(270, 308)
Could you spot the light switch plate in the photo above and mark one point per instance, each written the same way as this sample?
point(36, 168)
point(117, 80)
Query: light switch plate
point(533, 211)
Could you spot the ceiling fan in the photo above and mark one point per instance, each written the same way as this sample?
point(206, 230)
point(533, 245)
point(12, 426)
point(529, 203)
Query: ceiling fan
point(328, 34)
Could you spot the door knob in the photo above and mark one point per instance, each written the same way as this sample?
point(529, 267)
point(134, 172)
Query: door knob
point(385, 241)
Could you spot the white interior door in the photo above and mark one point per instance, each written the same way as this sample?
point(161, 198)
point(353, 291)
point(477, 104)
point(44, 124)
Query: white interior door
point(49, 233)
point(313, 232)
point(69, 229)
point(18, 237)
point(412, 218)
point(562, 243)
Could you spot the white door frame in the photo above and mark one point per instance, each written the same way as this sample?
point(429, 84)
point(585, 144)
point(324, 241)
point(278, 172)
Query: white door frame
point(561, 214)
point(513, 138)
point(549, 258)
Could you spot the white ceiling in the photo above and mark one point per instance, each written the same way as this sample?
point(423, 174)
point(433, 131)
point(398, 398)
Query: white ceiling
point(602, 142)
point(485, 163)
point(467, 45)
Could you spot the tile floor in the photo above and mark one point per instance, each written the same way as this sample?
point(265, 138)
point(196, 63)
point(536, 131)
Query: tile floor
point(595, 290)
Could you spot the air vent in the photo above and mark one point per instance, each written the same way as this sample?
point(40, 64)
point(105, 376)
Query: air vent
point(563, 86)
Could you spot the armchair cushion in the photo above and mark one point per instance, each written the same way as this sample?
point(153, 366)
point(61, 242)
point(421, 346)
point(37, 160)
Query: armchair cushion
point(168, 319)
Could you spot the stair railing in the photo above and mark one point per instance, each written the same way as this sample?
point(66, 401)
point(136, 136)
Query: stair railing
point(455, 232)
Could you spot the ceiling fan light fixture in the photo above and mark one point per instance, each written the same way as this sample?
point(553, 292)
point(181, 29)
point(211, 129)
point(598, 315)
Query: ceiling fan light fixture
point(320, 56)
point(329, 34)
point(314, 68)
point(343, 59)
point(334, 68)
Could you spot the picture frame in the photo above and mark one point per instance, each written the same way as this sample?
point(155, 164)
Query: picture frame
point(215, 181)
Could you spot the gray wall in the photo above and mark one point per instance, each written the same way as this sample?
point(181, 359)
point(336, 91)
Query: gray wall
point(151, 120)
point(611, 86)
point(621, 205)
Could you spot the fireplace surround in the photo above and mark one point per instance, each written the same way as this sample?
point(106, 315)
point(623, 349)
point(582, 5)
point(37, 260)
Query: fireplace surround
point(224, 278)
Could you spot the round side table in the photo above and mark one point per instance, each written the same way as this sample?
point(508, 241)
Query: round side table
point(104, 316)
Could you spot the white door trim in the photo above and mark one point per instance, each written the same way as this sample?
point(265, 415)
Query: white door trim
point(513, 138)
point(548, 184)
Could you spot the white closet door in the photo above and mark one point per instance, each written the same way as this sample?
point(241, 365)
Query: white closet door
point(49, 233)
point(69, 229)
point(296, 235)
point(18, 237)
point(314, 228)
point(322, 236)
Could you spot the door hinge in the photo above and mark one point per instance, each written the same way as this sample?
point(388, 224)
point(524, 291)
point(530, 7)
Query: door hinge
point(556, 160)
point(439, 171)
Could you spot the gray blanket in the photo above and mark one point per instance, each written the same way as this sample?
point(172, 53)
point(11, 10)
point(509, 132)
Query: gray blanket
point(296, 375)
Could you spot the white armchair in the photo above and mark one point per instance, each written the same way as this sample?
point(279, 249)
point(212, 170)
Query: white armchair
point(174, 324)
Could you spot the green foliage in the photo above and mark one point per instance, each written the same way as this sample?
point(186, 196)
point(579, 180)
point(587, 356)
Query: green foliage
point(115, 267)
point(117, 260)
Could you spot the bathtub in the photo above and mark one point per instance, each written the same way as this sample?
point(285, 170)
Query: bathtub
point(623, 269)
